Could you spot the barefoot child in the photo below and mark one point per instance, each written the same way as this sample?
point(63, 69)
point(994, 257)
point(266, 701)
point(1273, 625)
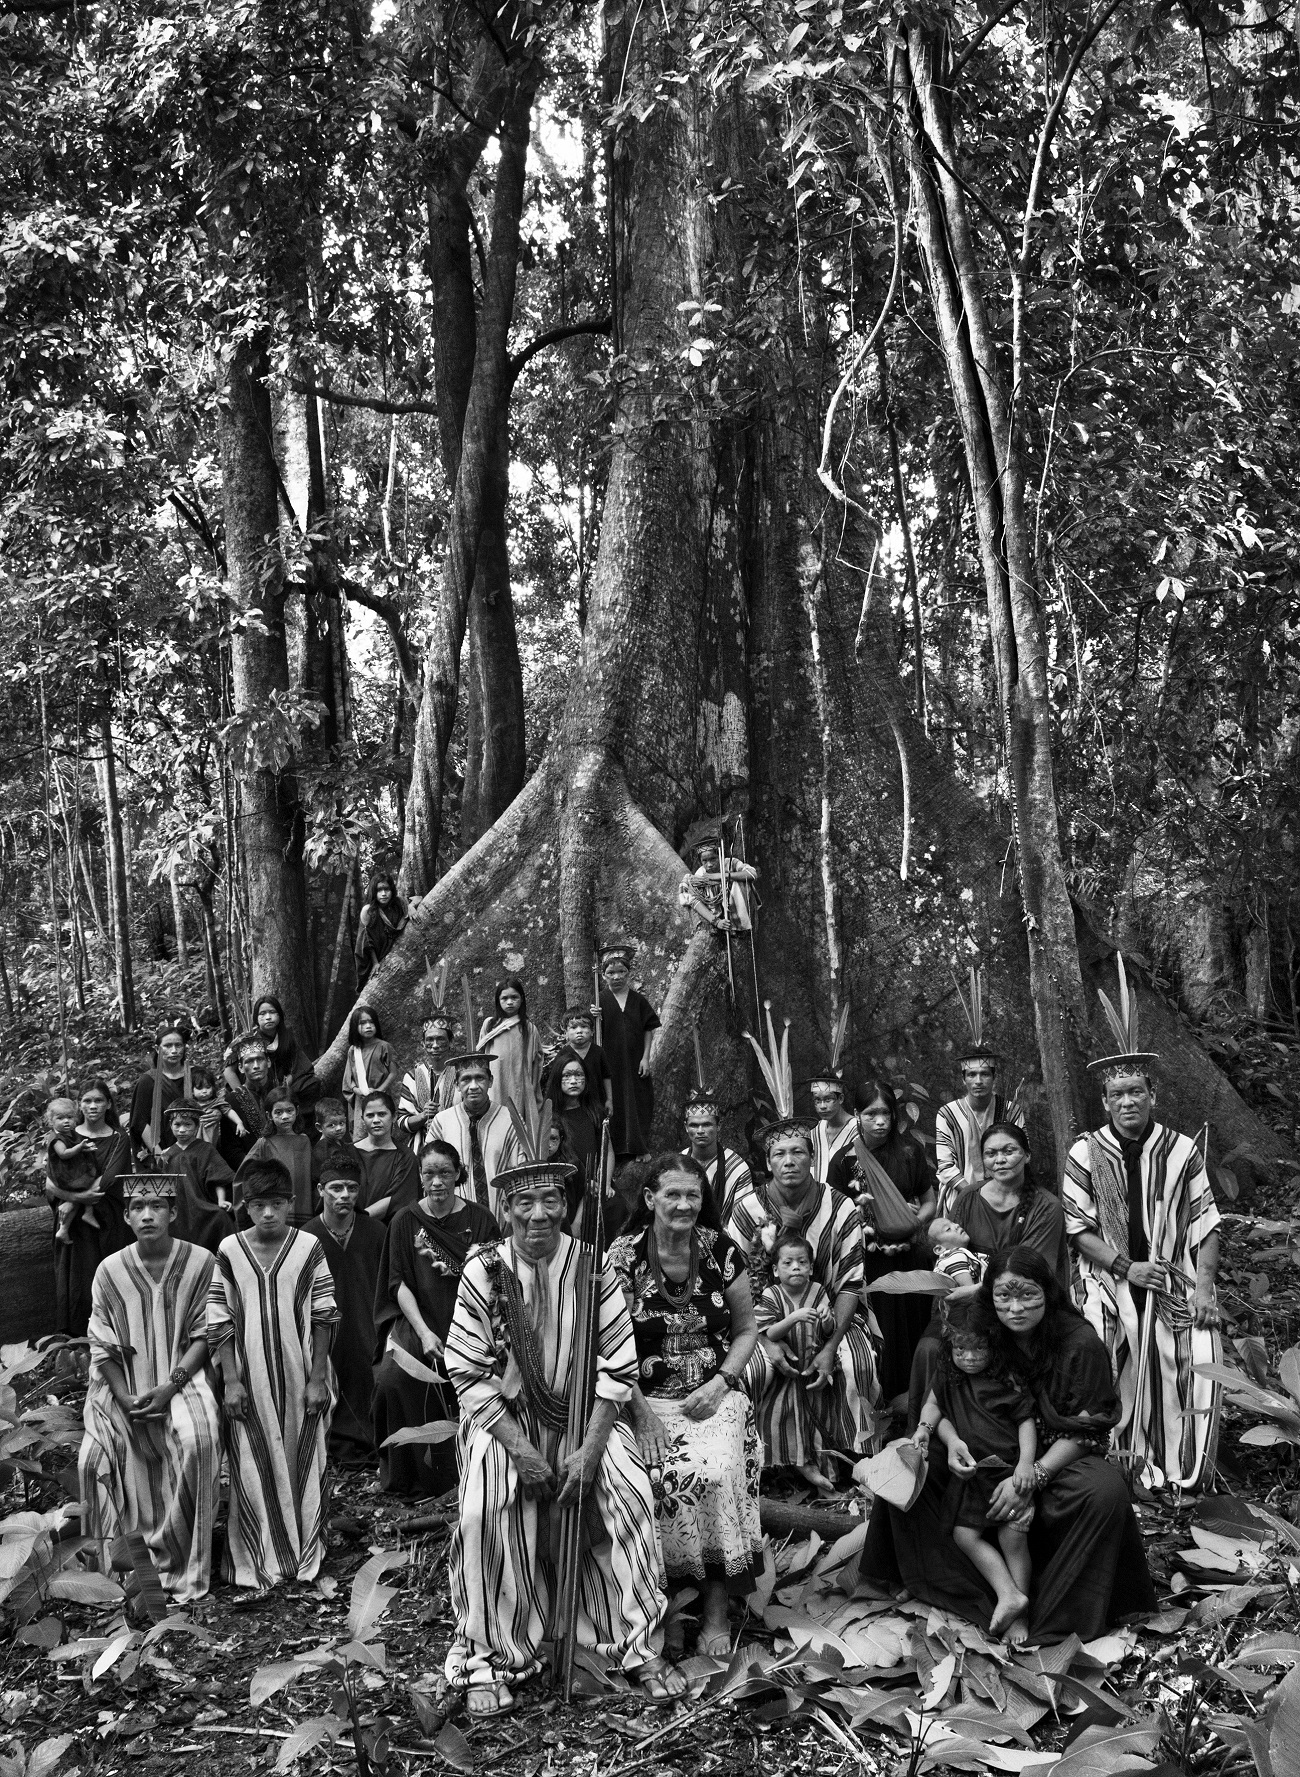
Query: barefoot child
point(71, 1167)
point(979, 1416)
point(192, 1154)
point(795, 1318)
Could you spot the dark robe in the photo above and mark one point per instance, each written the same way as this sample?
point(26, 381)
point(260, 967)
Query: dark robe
point(377, 932)
point(594, 1065)
point(902, 1319)
point(198, 1221)
point(389, 1172)
point(339, 1150)
point(355, 1270)
point(1089, 1567)
point(426, 1255)
point(76, 1261)
point(291, 1067)
point(204, 1167)
point(142, 1107)
point(1037, 1220)
point(625, 1030)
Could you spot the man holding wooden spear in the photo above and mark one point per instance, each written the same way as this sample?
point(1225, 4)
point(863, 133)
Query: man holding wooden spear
point(510, 1354)
point(1141, 1217)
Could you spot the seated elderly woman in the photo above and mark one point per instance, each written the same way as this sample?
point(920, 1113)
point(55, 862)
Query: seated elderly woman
point(151, 1453)
point(1088, 1566)
point(415, 1297)
point(687, 1290)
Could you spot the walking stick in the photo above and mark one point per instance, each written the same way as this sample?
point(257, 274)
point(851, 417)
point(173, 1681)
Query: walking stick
point(753, 952)
point(1145, 1337)
point(471, 1041)
point(600, 1021)
point(571, 1538)
point(725, 903)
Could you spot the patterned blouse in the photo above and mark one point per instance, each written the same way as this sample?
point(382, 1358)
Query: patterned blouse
point(680, 1345)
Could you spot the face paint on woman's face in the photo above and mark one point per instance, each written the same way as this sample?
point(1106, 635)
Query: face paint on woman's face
point(573, 1082)
point(1018, 1303)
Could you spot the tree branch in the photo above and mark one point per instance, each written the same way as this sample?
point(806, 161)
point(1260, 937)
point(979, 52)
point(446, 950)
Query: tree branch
point(984, 30)
point(554, 336)
point(199, 525)
point(384, 607)
point(372, 403)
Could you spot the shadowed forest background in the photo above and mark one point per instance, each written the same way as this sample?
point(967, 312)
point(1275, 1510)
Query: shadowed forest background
point(481, 440)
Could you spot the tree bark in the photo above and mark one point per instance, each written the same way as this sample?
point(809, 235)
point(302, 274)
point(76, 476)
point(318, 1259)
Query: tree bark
point(115, 859)
point(178, 919)
point(272, 825)
point(494, 737)
point(995, 461)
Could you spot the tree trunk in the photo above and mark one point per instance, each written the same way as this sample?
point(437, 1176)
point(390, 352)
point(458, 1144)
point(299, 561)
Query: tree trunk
point(494, 737)
point(997, 477)
point(115, 860)
point(489, 391)
point(178, 919)
point(272, 826)
point(693, 693)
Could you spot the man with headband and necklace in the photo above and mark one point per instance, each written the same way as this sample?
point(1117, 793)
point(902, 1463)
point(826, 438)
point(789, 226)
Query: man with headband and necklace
point(430, 1086)
point(151, 1454)
point(1141, 1217)
point(509, 1354)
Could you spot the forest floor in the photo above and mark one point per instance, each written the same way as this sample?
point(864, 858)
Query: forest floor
point(826, 1679)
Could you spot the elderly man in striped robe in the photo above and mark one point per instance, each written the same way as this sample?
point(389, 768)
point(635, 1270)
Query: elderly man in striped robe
point(151, 1453)
point(509, 1354)
point(1142, 1219)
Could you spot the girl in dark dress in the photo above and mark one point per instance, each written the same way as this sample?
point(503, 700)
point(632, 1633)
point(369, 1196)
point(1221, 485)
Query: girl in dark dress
point(415, 1296)
point(289, 1065)
point(1089, 1568)
point(76, 1261)
point(383, 920)
point(902, 1319)
point(390, 1178)
point(170, 1057)
point(628, 1022)
point(576, 1110)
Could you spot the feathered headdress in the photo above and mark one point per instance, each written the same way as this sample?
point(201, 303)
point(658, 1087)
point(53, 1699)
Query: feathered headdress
point(775, 1068)
point(977, 1049)
point(435, 983)
point(833, 1073)
point(1130, 1057)
point(533, 1145)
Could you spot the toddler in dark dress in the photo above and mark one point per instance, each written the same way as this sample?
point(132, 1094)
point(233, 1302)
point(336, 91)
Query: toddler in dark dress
point(986, 1424)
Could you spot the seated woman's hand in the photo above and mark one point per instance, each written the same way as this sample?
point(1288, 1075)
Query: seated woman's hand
point(651, 1438)
point(704, 1401)
point(960, 1460)
point(1006, 1504)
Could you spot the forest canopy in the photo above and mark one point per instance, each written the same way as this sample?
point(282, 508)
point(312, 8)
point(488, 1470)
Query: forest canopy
point(478, 440)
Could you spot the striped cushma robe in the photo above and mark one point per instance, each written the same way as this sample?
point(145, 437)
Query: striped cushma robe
point(500, 1572)
point(958, 1126)
point(1180, 1411)
point(833, 1228)
point(729, 1176)
point(827, 1143)
point(277, 1453)
point(419, 1091)
point(500, 1145)
point(162, 1479)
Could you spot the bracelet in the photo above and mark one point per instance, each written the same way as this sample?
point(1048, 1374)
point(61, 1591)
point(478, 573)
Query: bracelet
point(1120, 1267)
point(1041, 1477)
point(732, 1382)
point(179, 1377)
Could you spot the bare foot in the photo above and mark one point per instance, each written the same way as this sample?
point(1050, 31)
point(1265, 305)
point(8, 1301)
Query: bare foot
point(1018, 1632)
point(1013, 1605)
point(815, 1478)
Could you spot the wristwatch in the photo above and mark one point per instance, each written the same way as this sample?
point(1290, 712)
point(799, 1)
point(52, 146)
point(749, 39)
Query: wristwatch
point(733, 1382)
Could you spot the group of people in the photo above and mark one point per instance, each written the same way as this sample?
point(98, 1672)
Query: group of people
point(415, 1268)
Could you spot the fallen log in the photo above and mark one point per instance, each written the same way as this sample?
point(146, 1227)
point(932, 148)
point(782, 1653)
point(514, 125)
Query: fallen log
point(781, 1517)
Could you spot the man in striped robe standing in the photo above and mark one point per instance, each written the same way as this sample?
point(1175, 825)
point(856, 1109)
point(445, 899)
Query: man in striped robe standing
point(509, 1354)
point(959, 1125)
point(430, 1086)
point(727, 1172)
point(482, 1133)
point(1142, 1219)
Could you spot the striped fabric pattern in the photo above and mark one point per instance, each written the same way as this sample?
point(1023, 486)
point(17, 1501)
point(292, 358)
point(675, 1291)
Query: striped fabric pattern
point(735, 1177)
point(957, 1131)
point(500, 1572)
point(496, 1134)
point(161, 1481)
point(1179, 1429)
point(277, 1453)
point(827, 1143)
point(834, 1231)
point(419, 1090)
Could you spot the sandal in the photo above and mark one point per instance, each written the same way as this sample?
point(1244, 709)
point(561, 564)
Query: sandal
point(661, 1680)
point(491, 1698)
point(716, 1643)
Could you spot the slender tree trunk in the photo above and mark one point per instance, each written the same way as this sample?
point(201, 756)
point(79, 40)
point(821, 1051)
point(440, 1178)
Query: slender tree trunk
point(178, 918)
point(488, 393)
point(205, 884)
point(997, 477)
point(272, 827)
point(494, 738)
point(115, 860)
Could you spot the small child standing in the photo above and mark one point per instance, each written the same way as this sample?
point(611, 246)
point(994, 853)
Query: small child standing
point(981, 1416)
point(579, 1041)
point(369, 1067)
point(70, 1166)
point(291, 1149)
point(952, 1256)
point(192, 1154)
point(333, 1144)
point(795, 1319)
